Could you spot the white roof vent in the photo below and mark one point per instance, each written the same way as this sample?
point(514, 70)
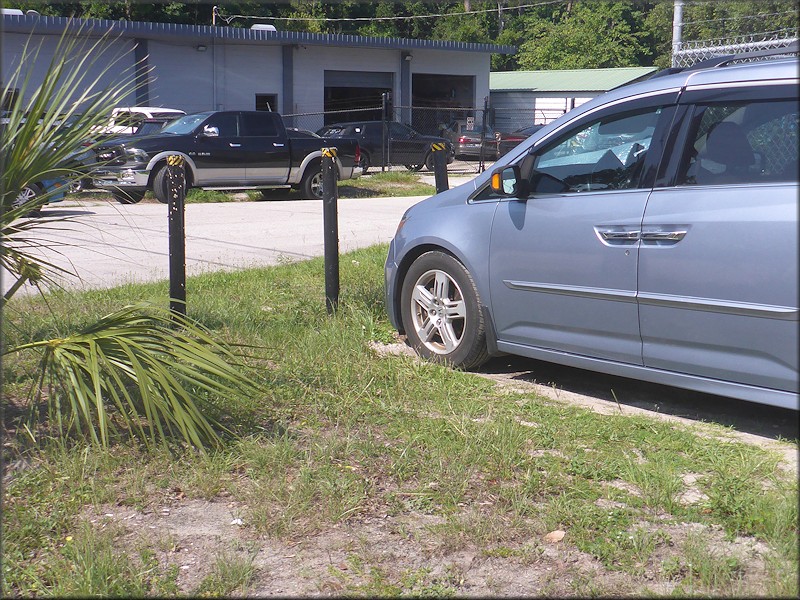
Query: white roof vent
point(262, 27)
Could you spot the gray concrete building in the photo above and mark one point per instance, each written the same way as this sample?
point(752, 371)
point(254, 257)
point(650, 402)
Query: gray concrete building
point(197, 68)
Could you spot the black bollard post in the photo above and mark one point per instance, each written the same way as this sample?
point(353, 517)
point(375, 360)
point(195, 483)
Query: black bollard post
point(176, 180)
point(330, 196)
point(439, 151)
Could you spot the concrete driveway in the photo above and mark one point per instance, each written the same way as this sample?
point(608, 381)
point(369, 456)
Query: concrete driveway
point(105, 243)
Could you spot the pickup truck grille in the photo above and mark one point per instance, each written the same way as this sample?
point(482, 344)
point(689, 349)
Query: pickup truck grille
point(111, 156)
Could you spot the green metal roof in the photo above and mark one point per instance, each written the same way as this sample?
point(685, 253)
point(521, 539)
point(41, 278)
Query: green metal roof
point(568, 80)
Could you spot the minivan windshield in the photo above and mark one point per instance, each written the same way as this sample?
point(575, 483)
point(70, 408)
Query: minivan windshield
point(186, 124)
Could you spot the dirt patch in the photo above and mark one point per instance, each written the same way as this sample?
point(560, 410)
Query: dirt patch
point(378, 554)
point(381, 554)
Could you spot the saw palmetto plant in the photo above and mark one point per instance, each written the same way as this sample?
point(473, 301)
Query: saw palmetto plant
point(140, 370)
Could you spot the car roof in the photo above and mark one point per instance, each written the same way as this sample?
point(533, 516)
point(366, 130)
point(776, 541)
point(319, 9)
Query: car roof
point(768, 70)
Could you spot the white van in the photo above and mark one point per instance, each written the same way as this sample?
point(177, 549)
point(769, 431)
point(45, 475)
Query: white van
point(125, 120)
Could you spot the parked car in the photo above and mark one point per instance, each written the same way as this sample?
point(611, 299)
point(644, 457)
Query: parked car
point(507, 141)
point(650, 233)
point(127, 119)
point(55, 189)
point(403, 145)
point(476, 143)
point(222, 150)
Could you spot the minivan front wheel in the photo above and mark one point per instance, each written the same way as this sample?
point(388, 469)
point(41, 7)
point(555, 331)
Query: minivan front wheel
point(441, 312)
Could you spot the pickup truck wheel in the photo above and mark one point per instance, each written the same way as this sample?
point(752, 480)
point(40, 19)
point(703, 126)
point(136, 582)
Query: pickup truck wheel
point(161, 185)
point(429, 162)
point(127, 196)
point(311, 185)
point(364, 163)
point(414, 167)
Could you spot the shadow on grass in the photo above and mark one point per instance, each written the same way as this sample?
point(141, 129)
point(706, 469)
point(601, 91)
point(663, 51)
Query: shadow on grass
point(766, 421)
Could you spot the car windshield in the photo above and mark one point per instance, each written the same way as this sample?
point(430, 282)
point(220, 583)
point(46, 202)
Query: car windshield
point(186, 124)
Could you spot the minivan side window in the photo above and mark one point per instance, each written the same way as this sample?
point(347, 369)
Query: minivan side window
point(741, 142)
point(607, 154)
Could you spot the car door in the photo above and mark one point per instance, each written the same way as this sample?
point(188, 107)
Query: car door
point(404, 146)
point(563, 263)
point(718, 263)
point(263, 151)
point(216, 153)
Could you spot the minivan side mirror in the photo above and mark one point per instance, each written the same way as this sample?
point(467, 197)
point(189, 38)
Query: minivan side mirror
point(508, 182)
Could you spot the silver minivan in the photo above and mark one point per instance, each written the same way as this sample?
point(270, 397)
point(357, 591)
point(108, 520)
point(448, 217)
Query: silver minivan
point(650, 233)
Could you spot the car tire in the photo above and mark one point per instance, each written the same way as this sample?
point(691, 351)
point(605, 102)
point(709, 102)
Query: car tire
point(415, 167)
point(127, 196)
point(311, 184)
point(364, 163)
point(28, 194)
point(429, 162)
point(441, 312)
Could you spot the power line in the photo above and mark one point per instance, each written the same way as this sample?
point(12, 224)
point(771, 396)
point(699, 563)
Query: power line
point(230, 18)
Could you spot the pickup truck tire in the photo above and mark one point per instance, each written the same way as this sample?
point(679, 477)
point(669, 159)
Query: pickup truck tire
point(429, 162)
point(364, 163)
point(127, 196)
point(161, 185)
point(414, 168)
point(311, 184)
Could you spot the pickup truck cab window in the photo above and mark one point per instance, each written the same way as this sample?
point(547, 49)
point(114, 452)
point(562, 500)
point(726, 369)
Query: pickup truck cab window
point(225, 123)
point(258, 125)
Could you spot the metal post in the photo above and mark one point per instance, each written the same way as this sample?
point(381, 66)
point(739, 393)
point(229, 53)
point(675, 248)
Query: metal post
point(439, 151)
point(677, 31)
point(384, 140)
point(176, 180)
point(330, 196)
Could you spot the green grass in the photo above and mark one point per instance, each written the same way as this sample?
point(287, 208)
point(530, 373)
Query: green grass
point(341, 435)
point(390, 183)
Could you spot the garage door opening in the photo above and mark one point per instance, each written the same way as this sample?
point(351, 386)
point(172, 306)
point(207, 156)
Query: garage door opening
point(354, 95)
point(441, 99)
point(352, 104)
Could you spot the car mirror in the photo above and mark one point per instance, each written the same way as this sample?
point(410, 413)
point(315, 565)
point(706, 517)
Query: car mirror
point(508, 182)
point(210, 131)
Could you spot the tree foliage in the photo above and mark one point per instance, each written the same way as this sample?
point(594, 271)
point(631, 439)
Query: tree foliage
point(559, 34)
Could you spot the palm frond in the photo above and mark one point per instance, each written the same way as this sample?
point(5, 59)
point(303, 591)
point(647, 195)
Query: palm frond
point(35, 143)
point(141, 370)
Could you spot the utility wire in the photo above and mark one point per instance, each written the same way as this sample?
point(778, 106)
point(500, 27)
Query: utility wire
point(230, 18)
point(759, 16)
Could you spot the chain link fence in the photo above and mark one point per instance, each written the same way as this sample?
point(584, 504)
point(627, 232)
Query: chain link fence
point(692, 52)
point(472, 133)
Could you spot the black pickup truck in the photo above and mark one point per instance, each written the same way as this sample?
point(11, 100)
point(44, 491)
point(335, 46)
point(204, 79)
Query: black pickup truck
point(225, 150)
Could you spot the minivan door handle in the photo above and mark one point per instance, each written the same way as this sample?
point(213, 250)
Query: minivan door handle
point(618, 234)
point(675, 235)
